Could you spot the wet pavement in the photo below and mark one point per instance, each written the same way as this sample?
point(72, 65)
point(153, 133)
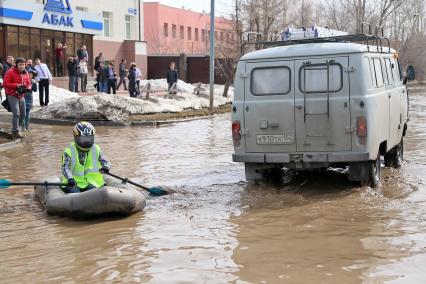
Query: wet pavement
point(317, 228)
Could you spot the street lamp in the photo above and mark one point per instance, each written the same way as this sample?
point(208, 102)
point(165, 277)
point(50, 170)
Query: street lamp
point(212, 42)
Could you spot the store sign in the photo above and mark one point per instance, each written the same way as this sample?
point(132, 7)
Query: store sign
point(57, 7)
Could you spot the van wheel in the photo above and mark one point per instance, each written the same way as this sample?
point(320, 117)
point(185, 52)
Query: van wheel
point(374, 173)
point(394, 157)
point(253, 173)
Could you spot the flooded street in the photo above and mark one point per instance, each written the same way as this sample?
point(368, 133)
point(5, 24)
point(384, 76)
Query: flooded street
point(318, 228)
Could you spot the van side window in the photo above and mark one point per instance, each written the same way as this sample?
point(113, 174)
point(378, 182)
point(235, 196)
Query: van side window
point(389, 70)
point(316, 78)
point(378, 71)
point(270, 81)
point(399, 70)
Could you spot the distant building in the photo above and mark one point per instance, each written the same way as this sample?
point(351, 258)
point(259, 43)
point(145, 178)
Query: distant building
point(33, 28)
point(171, 31)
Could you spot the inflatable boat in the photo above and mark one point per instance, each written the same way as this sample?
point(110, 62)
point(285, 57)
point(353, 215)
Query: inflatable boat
point(114, 198)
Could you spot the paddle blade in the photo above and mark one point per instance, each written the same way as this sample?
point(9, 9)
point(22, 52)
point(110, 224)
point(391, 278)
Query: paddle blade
point(157, 191)
point(4, 183)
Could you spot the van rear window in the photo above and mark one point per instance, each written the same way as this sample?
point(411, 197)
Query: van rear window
point(270, 81)
point(316, 78)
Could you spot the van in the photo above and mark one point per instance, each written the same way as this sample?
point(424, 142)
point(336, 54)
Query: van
point(317, 103)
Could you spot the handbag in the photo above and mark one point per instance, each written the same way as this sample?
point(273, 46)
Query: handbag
point(6, 105)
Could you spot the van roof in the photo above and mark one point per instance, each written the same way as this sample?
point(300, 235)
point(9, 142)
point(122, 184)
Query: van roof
point(312, 49)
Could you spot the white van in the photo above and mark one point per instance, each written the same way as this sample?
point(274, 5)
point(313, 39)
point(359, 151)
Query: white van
point(320, 103)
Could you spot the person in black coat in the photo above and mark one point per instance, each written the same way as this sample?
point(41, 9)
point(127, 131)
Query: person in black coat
point(172, 75)
point(72, 66)
point(133, 90)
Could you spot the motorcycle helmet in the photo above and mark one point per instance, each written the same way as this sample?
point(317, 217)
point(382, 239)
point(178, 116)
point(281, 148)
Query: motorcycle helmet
point(84, 135)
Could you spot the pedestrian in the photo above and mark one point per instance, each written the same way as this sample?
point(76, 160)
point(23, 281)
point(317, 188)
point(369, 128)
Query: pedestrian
point(132, 80)
point(72, 74)
point(138, 80)
point(29, 100)
point(83, 75)
point(44, 79)
point(29, 65)
point(83, 162)
point(98, 60)
point(16, 83)
point(82, 53)
point(10, 61)
point(102, 78)
point(172, 75)
point(112, 81)
point(123, 74)
point(59, 58)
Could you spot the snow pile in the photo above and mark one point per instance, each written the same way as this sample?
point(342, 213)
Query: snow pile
point(55, 95)
point(118, 108)
point(160, 85)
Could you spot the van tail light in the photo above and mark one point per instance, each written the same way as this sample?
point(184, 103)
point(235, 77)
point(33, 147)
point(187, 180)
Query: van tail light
point(236, 133)
point(361, 127)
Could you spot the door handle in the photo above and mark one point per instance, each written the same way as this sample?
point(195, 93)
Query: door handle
point(389, 96)
point(299, 107)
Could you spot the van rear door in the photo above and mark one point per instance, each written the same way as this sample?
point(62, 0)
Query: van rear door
point(322, 108)
point(269, 107)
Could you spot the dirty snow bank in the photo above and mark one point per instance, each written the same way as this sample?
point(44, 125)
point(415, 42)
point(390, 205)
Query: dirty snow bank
point(118, 108)
point(55, 95)
point(160, 85)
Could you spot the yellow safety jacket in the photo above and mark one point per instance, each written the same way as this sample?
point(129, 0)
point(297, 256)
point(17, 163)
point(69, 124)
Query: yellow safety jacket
point(89, 172)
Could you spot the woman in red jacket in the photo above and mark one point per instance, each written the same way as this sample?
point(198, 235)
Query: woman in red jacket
point(16, 83)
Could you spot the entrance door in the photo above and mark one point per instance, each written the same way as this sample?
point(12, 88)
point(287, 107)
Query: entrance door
point(322, 105)
point(269, 107)
point(47, 49)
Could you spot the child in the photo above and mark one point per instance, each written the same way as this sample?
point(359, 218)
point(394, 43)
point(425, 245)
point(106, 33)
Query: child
point(29, 100)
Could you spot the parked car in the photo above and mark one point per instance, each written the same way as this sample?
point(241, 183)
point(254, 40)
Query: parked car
point(320, 103)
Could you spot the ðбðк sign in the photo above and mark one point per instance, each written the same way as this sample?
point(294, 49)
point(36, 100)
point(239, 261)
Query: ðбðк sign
point(55, 7)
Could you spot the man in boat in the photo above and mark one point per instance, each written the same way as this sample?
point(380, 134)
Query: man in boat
point(83, 162)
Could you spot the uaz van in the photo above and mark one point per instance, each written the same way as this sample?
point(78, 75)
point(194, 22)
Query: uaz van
point(318, 103)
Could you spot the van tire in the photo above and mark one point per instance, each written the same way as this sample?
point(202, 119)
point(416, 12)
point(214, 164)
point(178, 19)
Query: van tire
point(373, 171)
point(394, 157)
point(253, 173)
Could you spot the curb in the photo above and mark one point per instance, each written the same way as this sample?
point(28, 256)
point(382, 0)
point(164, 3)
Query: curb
point(11, 144)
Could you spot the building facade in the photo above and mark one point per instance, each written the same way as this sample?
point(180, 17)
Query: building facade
point(171, 31)
point(33, 28)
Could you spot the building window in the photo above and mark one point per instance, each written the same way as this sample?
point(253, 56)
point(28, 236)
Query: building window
point(182, 32)
point(174, 31)
point(107, 23)
point(196, 34)
point(221, 36)
point(189, 33)
point(166, 29)
point(203, 35)
point(82, 9)
point(129, 25)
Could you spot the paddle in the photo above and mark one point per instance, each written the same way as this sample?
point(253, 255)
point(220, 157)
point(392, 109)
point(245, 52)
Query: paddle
point(156, 191)
point(4, 183)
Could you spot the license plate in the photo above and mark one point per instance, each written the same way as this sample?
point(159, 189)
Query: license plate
point(275, 139)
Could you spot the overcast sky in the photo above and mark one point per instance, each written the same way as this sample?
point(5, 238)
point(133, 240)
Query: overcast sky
point(223, 7)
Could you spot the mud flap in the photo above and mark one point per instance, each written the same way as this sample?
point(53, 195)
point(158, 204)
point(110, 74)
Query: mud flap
point(358, 171)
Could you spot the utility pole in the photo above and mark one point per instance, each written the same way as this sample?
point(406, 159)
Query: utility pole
point(212, 41)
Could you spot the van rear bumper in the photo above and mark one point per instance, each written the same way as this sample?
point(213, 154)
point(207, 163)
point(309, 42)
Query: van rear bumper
point(316, 157)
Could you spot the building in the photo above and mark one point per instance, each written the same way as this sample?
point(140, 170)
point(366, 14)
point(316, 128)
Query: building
point(171, 31)
point(33, 28)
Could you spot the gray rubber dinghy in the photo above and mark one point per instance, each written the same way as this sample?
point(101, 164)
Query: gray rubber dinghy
point(113, 199)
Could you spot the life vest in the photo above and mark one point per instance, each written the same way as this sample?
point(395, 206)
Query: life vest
point(89, 172)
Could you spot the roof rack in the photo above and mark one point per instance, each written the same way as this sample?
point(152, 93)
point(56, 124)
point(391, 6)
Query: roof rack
point(374, 41)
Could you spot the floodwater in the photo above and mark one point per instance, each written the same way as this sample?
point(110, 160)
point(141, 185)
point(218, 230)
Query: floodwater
point(315, 228)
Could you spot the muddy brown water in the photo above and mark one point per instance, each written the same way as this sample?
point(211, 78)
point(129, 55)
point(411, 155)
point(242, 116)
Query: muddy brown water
point(317, 228)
